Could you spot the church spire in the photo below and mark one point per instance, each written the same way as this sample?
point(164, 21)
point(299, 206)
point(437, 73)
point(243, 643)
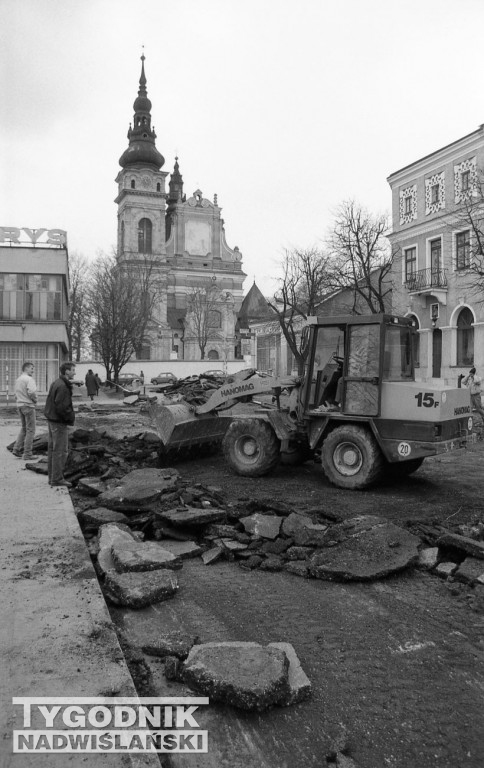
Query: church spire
point(142, 149)
point(176, 184)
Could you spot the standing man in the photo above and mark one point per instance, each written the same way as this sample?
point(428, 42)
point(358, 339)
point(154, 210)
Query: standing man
point(59, 413)
point(474, 383)
point(26, 397)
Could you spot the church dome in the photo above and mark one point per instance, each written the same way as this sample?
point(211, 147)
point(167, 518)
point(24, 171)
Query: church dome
point(142, 152)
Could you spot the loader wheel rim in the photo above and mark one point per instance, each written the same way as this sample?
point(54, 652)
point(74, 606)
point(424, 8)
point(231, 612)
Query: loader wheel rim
point(348, 459)
point(248, 446)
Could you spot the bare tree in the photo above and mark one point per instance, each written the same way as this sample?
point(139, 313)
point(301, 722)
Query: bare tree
point(79, 321)
point(361, 258)
point(202, 303)
point(304, 282)
point(122, 303)
point(468, 224)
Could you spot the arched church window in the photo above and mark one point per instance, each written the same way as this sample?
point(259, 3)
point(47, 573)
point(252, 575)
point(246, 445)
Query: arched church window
point(465, 337)
point(145, 229)
point(158, 187)
point(213, 355)
point(133, 184)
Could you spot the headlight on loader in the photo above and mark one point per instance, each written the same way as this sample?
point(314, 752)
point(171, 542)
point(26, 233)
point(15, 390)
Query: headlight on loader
point(470, 423)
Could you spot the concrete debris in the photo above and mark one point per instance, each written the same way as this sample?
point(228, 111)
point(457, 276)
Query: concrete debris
point(142, 556)
point(299, 683)
point(298, 568)
point(264, 526)
point(139, 489)
point(91, 486)
point(108, 535)
point(182, 549)
point(192, 516)
point(212, 555)
point(136, 590)
point(428, 558)
point(271, 563)
point(445, 569)
point(365, 548)
point(463, 544)
point(247, 675)
point(470, 571)
point(177, 644)
point(92, 519)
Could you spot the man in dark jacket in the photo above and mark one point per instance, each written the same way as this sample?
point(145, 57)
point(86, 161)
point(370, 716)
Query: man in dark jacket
point(59, 413)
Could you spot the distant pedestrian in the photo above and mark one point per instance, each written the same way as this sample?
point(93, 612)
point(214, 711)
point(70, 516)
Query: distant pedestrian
point(91, 384)
point(26, 397)
point(142, 377)
point(474, 382)
point(59, 413)
point(98, 382)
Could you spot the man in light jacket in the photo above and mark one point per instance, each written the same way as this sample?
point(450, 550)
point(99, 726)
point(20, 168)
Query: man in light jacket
point(59, 413)
point(474, 382)
point(26, 397)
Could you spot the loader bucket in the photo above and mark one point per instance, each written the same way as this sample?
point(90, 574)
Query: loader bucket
point(178, 427)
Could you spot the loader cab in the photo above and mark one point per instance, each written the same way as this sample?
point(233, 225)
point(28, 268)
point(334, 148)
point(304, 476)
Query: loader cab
point(348, 359)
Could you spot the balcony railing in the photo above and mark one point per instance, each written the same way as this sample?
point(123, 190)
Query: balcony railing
point(425, 279)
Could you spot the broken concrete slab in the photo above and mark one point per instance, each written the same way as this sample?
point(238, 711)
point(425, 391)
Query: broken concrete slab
point(94, 518)
point(462, 543)
point(298, 568)
point(109, 534)
point(142, 556)
point(470, 571)
point(299, 683)
point(91, 486)
point(364, 548)
point(446, 569)
point(191, 516)
point(263, 526)
point(244, 675)
point(428, 557)
point(299, 553)
point(140, 488)
point(232, 546)
point(212, 555)
point(271, 563)
point(136, 590)
point(177, 644)
point(293, 522)
point(182, 549)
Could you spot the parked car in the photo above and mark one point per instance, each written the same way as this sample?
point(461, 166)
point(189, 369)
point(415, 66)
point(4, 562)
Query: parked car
point(164, 380)
point(215, 374)
point(129, 380)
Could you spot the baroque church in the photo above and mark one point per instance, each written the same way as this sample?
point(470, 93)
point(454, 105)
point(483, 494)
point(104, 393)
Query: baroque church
point(182, 239)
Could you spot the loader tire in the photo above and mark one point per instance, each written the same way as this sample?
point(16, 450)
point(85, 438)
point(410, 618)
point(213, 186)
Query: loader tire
point(403, 468)
point(351, 458)
point(251, 447)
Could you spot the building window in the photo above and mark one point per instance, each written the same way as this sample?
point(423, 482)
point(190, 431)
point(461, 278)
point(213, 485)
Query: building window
point(410, 264)
point(158, 187)
point(408, 205)
point(145, 229)
point(465, 338)
point(463, 250)
point(213, 355)
point(133, 184)
point(435, 194)
point(435, 261)
point(30, 297)
point(465, 181)
point(416, 343)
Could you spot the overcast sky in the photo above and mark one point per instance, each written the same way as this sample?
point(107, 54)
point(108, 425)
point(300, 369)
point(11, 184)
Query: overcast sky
point(283, 109)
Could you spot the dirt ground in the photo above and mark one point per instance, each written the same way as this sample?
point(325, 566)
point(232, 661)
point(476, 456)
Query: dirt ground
point(397, 665)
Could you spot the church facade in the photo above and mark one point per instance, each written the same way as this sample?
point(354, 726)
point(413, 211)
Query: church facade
point(181, 241)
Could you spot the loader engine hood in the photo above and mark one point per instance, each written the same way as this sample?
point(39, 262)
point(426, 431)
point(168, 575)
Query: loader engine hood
point(416, 401)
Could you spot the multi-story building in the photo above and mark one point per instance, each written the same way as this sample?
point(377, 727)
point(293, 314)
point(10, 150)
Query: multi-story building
point(436, 202)
point(183, 242)
point(34, 291)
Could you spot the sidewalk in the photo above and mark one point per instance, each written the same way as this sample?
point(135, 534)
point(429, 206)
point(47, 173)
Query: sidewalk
point(56, 636)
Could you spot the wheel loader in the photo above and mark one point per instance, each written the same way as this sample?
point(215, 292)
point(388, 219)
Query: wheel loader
point(357, 407)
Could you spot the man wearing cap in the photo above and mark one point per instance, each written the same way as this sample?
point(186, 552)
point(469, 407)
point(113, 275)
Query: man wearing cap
point(474, 382)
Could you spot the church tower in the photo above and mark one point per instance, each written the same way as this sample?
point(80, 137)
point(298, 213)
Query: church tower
point(141, 204)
